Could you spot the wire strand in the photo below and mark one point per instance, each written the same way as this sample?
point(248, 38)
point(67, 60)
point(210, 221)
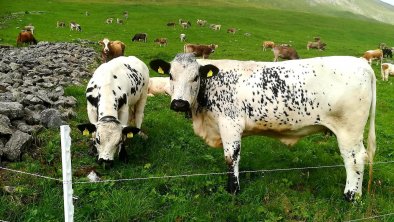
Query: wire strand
point(373, 217)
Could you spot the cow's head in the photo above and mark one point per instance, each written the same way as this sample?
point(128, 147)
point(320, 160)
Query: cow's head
point(105, 43)
point(185, 77)
point(109, 136)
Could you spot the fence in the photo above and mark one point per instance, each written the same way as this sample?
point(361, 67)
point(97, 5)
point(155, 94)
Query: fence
point(67, 176)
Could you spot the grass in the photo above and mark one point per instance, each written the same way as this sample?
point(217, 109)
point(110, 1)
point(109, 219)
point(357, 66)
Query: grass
point(173, 149)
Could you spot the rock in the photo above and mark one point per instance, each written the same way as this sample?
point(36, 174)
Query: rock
point(5, 124)
point(22, 126)
point(18, 142)
point(51, 118)
point(11, 109)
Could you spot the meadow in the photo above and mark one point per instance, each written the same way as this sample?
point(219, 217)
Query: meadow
point(173, 149)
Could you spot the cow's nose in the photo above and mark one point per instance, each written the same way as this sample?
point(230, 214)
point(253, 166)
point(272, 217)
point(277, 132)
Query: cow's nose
point(180, 105)
point(105, 163)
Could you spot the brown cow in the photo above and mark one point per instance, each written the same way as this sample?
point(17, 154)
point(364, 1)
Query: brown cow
point(111, 49)
point(200, 50)
point(25, 37)
point(285, 53)
point(161, 41)
point(268, 44)
point(316, 45)
point(232, 30)
point(373, 54)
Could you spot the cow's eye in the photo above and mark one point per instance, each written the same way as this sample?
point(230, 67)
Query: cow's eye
point(195, 79)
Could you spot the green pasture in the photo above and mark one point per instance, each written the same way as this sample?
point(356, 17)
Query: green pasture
point(172, 148)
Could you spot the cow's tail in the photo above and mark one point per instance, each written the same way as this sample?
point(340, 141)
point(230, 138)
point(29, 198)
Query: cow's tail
point(371, 147)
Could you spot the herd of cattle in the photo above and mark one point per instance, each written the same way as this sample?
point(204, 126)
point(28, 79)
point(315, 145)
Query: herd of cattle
point(229, 99)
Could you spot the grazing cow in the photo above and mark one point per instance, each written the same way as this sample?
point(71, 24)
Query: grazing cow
point(186, 25)
point(386, 70)
point(372, 55)
point(268, 45)
point(182, 37)
point(161, 41)
point(25, 37)
point(200, 50)
point(159, 85)
point(171, 24)
point(111, 49)
point(316, 45)
point(201, 22)
point(116, 96)
point(232, 30)
point(140, 37)
point(109, 20)
point(387, 52)
point(119, 21)
point(284, 100)
point(215, 27)
point(75, 26)
point(60, 24)
point(284, 52)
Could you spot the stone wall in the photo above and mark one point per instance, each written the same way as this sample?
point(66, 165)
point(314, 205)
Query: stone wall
point(32, 81)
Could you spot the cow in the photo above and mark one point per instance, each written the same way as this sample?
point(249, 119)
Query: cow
point(215, 27)
point(75, 26)
point(116, 96)
point(200, 50)
point(285, 100)
point(25, 37)
point(373, 54)
point(161, 41)
point(171, 24)
point(60, 24)
point(182, 36)
point(126, 15)
point(186, 25)
point(201, 22)
point(386, 70)
point(232, 30)
point(284, 52)
point(29, 28)
point(111, 49)
point(316, 45)
point(268, 45)
point(119, 21)
point(159, 85)
point(140, 37)
point(387, 52)
point(109, 20)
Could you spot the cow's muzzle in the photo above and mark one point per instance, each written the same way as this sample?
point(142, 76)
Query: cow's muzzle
point(105, 163)
point(180, 105)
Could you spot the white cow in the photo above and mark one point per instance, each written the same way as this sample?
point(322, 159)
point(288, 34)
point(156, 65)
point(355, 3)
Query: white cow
point(230, 99)
point(116, 95)
point(159, 85)
point(386, 70)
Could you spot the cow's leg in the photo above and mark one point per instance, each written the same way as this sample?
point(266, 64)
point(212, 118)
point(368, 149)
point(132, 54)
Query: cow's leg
point(139, 114)
point(354, 156)
point(231, 138)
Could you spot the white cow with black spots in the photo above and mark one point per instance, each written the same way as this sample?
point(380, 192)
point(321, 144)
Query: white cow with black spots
point(116, 96)
point(230, 99)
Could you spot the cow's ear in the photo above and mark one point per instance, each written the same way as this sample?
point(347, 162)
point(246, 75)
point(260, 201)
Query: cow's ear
point(208, 71)
point(160, 66)
point(87, 128)
point(129, 131)
point(100, 42)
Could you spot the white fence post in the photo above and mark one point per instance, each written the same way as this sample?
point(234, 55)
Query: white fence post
point(67, 176)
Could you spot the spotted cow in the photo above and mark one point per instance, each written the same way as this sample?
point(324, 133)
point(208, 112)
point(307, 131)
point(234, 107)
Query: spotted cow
point(229, 99)
point(116, 95)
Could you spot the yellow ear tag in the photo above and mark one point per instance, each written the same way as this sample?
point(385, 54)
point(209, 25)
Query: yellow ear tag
point(130, 135)
point(160, 70)
point(210, 73)
point(85, 132)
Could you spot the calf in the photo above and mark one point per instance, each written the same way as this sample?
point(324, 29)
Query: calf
point(386, 70)
point(284, 52)
point(200, 50)
point(60, 24)
point(159, 85)
point(25, 37)
point(372, 55)
point(171, 24)
point(316, 45)
point(140, 37)
point(186, 25)
point(201, 22)
point(109, 20)
point(75, 26)
point(284, 100)
point(119, 21)
point(116, 95)
point(111, 49)
point(232, 30)
point(268, 45)
point(215, 27)
point(161, 41)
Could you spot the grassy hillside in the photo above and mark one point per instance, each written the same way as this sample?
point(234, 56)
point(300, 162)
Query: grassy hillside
point(173, 149)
